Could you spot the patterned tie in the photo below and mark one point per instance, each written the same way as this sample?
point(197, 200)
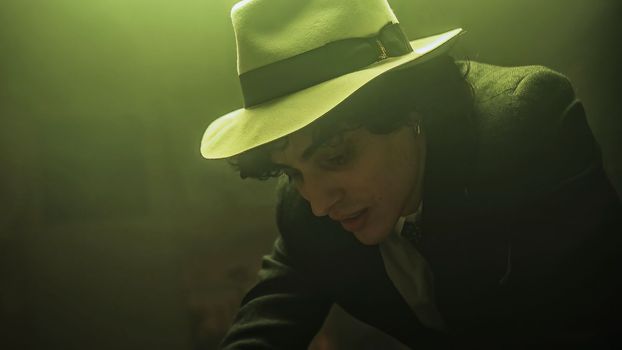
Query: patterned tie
point(412, 232)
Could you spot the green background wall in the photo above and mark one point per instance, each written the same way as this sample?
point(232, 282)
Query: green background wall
point(114, 233)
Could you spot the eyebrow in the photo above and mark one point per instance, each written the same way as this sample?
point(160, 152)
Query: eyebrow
point(306, 154)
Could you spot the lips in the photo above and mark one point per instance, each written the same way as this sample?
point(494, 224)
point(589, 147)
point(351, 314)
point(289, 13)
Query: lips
point(356, 221)
point(351, 216)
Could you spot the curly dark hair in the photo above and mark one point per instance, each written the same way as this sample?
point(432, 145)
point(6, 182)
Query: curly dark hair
point(436, 89)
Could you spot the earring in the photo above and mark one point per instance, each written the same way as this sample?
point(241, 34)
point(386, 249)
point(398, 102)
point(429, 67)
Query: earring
point(415, 117)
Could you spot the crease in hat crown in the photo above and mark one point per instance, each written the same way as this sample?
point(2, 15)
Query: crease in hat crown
point(268, 31)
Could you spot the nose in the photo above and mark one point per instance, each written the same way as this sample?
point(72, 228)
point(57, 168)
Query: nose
point(322, 193)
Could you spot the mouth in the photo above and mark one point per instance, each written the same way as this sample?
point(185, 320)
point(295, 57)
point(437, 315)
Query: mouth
point(356, 221)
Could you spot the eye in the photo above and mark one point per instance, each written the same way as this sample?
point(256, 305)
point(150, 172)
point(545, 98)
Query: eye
point(340, 155)
point(339, 159)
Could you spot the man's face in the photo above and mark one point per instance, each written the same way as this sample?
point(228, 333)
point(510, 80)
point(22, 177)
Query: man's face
point(363, 180)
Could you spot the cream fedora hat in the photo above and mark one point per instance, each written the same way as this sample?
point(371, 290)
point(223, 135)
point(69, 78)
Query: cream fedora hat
point(298, 59)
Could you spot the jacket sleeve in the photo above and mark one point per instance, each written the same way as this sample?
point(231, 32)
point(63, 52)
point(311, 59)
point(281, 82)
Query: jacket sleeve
point(284, 310)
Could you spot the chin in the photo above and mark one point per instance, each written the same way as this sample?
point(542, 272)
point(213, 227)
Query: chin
point(372, 236)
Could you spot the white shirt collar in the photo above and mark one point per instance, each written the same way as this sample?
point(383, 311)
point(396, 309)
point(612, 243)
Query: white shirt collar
point(410, 218)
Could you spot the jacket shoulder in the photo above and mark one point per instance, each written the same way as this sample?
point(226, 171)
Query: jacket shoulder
point(515, 95)
point(531, 131)
point(491, 81)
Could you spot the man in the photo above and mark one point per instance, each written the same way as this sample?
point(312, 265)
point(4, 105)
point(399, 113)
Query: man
point(448, 204)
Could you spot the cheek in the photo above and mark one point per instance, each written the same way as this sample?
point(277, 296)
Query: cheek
point(387, 188)
point(391, 190)
point(382, 182)
point(371, 189)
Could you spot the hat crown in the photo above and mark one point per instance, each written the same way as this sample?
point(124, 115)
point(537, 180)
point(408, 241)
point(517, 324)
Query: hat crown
point(268, 31)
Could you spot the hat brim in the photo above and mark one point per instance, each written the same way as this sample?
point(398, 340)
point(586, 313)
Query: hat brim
point(247, 128)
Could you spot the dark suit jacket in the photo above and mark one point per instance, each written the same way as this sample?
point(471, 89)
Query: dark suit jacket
point(521, 228)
